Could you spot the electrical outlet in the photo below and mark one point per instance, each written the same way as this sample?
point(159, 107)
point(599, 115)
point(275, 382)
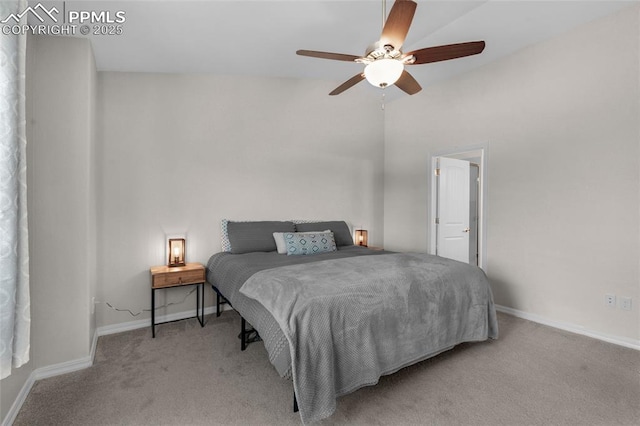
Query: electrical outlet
point(610, 300)
point(93, 305)
point(625, 303)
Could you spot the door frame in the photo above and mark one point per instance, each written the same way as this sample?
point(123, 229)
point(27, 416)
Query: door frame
point(476, 154)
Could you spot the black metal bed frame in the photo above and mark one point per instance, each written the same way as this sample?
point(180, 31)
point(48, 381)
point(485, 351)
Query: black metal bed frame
point(246, 336)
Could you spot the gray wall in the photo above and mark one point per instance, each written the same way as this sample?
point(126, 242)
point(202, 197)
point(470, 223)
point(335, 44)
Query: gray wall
point(178, 153)
point(61, 193)
point(61, 201)
point(561, 123)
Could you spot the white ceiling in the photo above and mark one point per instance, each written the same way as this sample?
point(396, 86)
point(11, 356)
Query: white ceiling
point(260, 37)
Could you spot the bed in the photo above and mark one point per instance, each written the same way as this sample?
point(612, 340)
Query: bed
point(337, 317)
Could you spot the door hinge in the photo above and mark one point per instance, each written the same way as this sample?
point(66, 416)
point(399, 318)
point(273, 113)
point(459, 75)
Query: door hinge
point(437, 172)
point(437, 221)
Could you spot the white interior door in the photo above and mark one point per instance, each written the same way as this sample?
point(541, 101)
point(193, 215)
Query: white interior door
point(453, 209)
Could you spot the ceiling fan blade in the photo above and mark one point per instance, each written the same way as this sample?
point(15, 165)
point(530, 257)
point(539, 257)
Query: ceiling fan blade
point(446, 52)
point(347, 84)
point(397, 25)
point(328, 55)
point(408, 84)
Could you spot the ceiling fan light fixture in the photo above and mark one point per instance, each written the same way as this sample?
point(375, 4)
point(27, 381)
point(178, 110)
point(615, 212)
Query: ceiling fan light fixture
point(383, 72)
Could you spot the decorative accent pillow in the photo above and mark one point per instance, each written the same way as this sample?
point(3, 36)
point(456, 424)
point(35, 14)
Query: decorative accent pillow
point(307, 243)
point(245, 237)
point(224, 235)
point(279, 239)
point(281, 245)
point(339, 228)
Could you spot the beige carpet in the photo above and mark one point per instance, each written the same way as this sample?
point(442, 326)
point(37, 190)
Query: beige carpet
point(532, 375)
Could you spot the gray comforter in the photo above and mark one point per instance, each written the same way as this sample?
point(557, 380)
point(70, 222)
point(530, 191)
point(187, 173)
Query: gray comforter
point(228, 272)
point(350, 321)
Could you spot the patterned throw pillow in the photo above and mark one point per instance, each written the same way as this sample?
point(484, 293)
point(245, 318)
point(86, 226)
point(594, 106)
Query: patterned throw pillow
point(224, 235)
point(282, 246)
point(307, 243)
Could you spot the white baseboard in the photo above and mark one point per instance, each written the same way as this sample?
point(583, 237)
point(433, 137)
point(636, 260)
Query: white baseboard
point(17, 404)
point(63, 368)
point(134, 325)
point(573, 328)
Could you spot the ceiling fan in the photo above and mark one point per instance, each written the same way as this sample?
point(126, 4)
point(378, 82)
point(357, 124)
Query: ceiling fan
point(384, 61)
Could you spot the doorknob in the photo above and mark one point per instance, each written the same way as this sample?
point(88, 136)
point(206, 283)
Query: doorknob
point(466, 230)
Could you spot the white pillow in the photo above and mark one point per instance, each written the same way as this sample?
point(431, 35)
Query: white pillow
point(280, 244)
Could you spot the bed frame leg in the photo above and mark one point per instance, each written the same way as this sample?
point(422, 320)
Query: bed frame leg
point(220, 300)
point(295, 403)
point(243, 335)
point(247, 336)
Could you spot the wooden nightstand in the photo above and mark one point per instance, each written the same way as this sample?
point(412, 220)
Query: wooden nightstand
point(166, 277)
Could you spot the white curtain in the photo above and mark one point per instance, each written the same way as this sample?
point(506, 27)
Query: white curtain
point(15, 316)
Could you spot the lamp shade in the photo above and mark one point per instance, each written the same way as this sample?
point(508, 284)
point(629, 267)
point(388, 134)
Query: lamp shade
point(177, 252)
point(361, 237)
point(383, 72)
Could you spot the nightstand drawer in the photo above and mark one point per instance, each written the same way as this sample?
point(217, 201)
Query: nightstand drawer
point(178, 278)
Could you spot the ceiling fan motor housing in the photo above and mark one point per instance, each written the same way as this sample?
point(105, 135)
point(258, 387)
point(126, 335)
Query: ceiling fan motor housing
point(378, 50)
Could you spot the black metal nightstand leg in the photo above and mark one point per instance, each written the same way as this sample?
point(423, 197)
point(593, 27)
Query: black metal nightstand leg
point(200, 303)
point(243, 333)
point(153, 313)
